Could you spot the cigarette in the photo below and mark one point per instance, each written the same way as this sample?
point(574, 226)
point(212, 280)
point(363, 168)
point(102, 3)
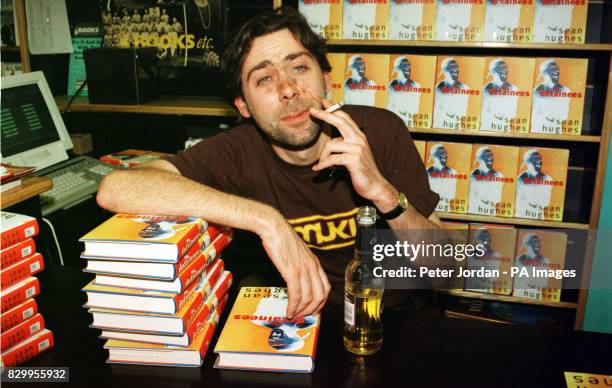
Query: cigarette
point(334, 107)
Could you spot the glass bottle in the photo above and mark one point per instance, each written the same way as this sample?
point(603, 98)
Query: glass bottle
point(363, 292)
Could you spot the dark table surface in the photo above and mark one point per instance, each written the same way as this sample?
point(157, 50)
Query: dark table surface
point(421, 349)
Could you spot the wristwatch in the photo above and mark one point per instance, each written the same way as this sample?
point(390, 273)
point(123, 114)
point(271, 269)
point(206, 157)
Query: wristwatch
point(402, 205)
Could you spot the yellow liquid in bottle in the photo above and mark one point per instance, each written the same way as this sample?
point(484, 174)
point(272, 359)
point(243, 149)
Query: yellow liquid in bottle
point(363, 330)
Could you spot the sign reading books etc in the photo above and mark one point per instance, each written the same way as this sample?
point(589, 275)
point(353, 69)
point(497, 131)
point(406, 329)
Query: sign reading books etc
point(506, 95)
point(336, 77)
point(560, 21)
point(448, 168)
point(558, 95)
point(493, 180)
point(411, 88)
point(541, 182)
point(324, 17)
point(498, 256)
point(458, 93)
point(412, 19)
point(538, 252)
point(366, 79)
point(365, 19)
point(459, 20)
point(509, 21)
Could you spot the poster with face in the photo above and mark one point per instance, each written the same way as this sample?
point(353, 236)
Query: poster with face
point(508, 21)
point(365, 79)
point(365, 19)
point(560, 23)
point(459, 20)
point(412, 20)
point(448, 168)
point(324, 17)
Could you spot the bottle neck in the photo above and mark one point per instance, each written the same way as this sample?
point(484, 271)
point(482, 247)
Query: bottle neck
point(365, 240)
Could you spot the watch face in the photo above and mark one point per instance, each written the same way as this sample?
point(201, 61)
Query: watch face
point(402, 200)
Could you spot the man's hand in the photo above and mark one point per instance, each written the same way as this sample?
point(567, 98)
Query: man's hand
point(352, 151)
point(307, 284)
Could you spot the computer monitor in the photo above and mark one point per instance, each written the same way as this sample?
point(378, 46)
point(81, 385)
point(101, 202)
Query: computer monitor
point(33, 132)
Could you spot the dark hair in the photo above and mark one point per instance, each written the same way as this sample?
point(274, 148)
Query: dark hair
point(265, 23)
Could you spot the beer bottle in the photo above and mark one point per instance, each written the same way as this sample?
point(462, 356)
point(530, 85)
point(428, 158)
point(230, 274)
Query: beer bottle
point(363, 292)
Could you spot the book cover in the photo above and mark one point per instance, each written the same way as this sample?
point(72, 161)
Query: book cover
point(560, 21)
point(537, 253)
point(458, 93)
point(506, 95)
point(498, 245)
point(84, 36)
point(21, 270)
point(21, 332)
point(541, 183)
point(14, 253)
point(27, 349)
point(459, 20)
point(18, 314)
point(458, 233)
point(493, 180)
point(131, 157)
point(324, 17)
point(509, 21)
point(412, 19)
point(163, 238)
point(365, 19)
point(12, 173)
point(257, 326)
point(366, 79)
point(336, 77)
point(558, 95)
point(19, 293)
point(421, 145)
point(411, 88)
point(16, 228)
point(448, 168)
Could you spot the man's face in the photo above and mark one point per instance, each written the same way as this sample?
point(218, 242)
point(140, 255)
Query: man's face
point(487, 158)
point(536, 161)
point(535, 244)
point(484, 238)
point(553, 72)
point(360, 67)
point(442, 155)
point(280, 82)
point(405, 69)
point(453, 69)
point(502, 70)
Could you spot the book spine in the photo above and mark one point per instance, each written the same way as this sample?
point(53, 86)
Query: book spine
point(192, 254)
point(21, 332)
point(210, 330)
point(213, 274)
point(191, 309)
point(22, 270)
point(19, 233)
point(16, 315)
point(189, 239)
point(218, 245)
point(192, 272)
point(17, 252)
point(181, 299)
point(28, 349)
point(212, 305)
point(28, 288)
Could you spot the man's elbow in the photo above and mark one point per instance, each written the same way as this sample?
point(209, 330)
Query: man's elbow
point(106, 197)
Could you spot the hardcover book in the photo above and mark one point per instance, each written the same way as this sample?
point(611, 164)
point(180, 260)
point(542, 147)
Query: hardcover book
point(365, 19)
point(412, 19)
point(448, 168)
point(18, 314)
point(259, 336)
point(131, 157)
point(145, 237)
point(560, 21)
point(493, 180)
point(558, 95)
point(458, 93)
point(19, 293)
point(506, 95)
point(509, 21)
point(541, 182)
point(14, 253)
point(21, 270)
point(459, 20)
point(162, 324)
point(16, 228)
point(324, 17)
point(130, 352)
point(27, 349)
point(538, 252)
point(366, 79)
point(411, 88)
point(498, 245)
point(336, 77)
point(21, 332)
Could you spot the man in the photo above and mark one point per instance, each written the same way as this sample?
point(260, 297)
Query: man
point(261, 176)
point(485, 190)
point(356, 86)
point(549, 110)
point(404, 100)
point(449, 106)
point(532, 193)
point(498, 106)
point(442, 177)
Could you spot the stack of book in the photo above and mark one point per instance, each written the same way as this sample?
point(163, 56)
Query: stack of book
point(159, 289)
point(23, 329)
point(11, 176)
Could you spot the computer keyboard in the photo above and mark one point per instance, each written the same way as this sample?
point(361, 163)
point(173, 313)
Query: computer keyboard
point(73, 181)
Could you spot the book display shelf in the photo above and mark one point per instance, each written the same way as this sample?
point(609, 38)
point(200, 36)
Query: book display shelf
point(588, 152)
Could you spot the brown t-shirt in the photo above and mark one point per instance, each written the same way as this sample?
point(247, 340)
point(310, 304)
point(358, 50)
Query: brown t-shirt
point(241, 162)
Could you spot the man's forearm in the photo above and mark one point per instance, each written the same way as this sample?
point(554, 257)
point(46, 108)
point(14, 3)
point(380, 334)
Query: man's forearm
point(409, 219)
point(152, 191)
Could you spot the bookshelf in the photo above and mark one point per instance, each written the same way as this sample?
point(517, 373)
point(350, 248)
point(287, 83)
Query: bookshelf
point(507, 298)
point(22, 51)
